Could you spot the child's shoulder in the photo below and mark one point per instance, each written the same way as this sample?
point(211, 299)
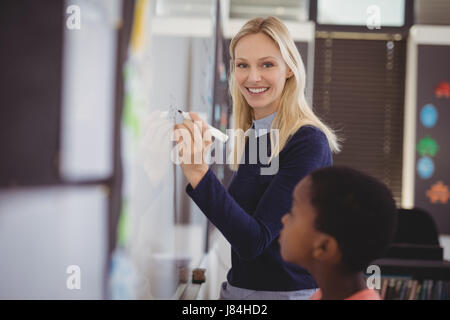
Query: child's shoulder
point(365, 294)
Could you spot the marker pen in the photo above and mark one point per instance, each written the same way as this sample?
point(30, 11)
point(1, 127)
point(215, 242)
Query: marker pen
point(216, 133)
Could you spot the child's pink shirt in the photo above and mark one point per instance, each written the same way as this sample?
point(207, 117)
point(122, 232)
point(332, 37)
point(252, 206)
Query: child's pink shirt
point(366, 294)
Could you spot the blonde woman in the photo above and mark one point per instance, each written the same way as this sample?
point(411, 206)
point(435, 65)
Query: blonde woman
point(267, 85)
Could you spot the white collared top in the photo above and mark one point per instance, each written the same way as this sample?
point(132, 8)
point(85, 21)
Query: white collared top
point(262, 126)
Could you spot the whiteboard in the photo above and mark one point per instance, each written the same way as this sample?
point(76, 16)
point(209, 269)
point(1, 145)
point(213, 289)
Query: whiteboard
point(170, 66)
point(43, 231)
point(88, 93)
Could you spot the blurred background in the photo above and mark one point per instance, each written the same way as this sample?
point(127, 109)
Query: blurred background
point(91, 205)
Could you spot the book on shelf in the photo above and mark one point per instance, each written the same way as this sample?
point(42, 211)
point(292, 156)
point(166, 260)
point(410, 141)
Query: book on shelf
point(413, 290)
point(404, 285)
point(401, 288)
point(384, 284)
point(418, 290)
point(423, 290)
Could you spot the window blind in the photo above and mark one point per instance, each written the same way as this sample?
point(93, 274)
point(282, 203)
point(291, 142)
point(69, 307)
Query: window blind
point(359, 91)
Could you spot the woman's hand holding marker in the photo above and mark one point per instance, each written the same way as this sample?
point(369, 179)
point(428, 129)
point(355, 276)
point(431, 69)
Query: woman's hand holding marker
point(193, 142)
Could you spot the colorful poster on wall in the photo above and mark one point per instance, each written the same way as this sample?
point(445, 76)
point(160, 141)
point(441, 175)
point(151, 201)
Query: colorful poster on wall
point(432, 181)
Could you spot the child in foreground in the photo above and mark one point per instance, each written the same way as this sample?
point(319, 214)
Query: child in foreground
point(341, 220)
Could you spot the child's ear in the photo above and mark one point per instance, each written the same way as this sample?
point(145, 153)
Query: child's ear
point(326, 249)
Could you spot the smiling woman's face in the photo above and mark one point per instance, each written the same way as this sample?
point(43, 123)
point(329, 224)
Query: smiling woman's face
point(260, 72)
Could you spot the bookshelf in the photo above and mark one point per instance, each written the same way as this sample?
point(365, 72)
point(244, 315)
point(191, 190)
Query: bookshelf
point(414, 272)
point(416, 269)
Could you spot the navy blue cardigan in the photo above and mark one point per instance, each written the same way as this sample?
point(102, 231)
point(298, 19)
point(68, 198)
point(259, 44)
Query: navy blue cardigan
point(249, 213)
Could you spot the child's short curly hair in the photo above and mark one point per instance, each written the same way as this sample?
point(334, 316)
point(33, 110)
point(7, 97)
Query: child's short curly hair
point(357, 210)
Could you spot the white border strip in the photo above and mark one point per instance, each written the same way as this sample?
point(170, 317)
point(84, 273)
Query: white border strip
point(300, 31)
point(182, 26)
point(436, 35)
point(409, 129)
point(310, 67)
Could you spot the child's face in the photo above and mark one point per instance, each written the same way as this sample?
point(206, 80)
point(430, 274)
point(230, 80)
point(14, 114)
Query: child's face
point(298, 234)
point(259, 64)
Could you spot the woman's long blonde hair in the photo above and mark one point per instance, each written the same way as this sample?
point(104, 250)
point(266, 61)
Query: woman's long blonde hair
point(293, 111)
